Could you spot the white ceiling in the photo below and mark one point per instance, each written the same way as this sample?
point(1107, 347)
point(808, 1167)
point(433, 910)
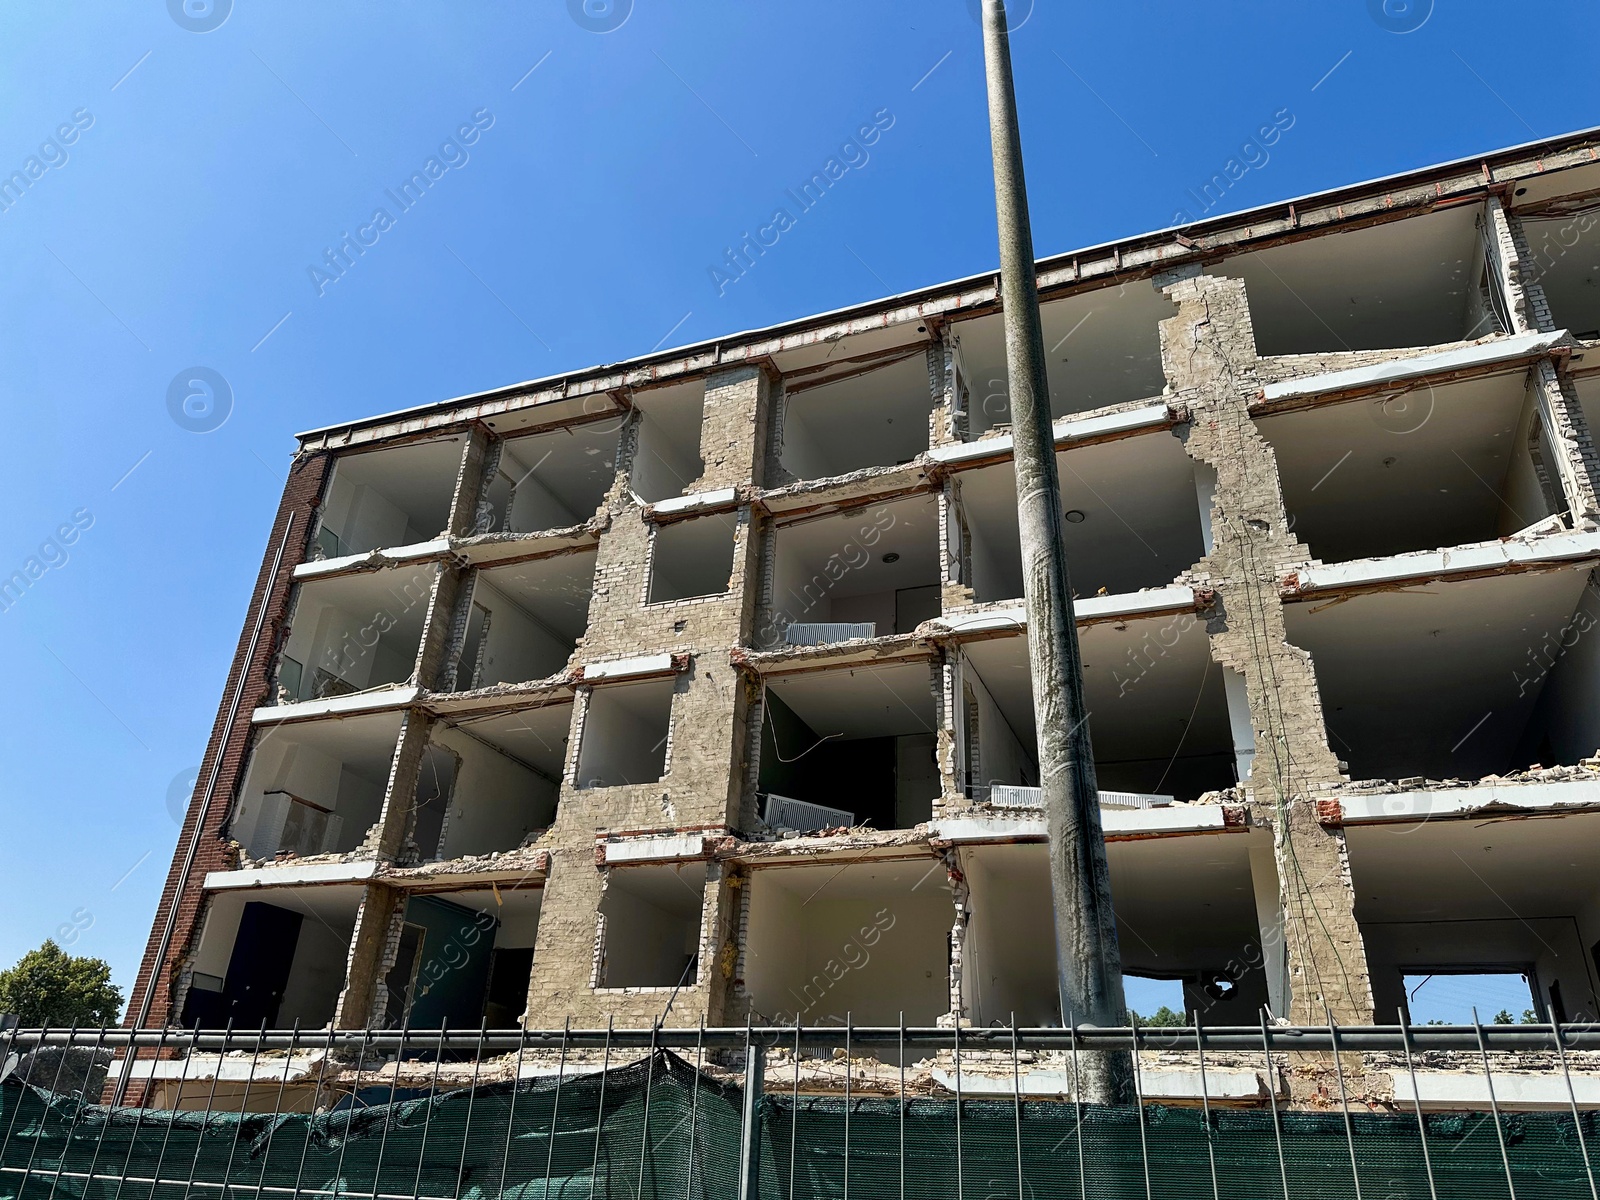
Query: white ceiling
point(365, 744)
point(871, 420)
point(909, 528)
point(1475, 869)
point(869, 880)
point(862, 702)
point(1400, 284)
point(1142, 516)
point(399, 593)
point(1371, 477)
point(574, 461)
point(1551, 184)
point(536, 736)
point(1139, 690)
point(556, 590)
point(871, 341)
point(1566, 261)
point(1405, 676)
point(679, 890)
point(1102, 347)
point(419, 479)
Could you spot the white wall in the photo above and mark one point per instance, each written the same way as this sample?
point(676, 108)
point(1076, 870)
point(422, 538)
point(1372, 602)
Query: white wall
point(317, 975)
point(877, 607)
point(624, 732)
point(647, 944)
point(1002, 758)
point(916, 778)
point(535, 507)
point(496, 802)
point(518, 648)
point(1522, 496)
point(280, 764)
point(1568, 710)
point(800, 455)
point(1009, 964)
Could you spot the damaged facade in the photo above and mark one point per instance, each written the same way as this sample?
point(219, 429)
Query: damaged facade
point(696, 687)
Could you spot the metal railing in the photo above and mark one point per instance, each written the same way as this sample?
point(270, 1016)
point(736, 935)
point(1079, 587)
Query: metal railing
point(791, 1111)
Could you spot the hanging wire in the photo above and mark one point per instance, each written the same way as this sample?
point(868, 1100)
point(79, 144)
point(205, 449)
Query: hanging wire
point(1577, 1118)
point(1344, 1100)
point(1494, 1104)
point(1205, 1107)
point(1416, 1098)
point(1272, 1098)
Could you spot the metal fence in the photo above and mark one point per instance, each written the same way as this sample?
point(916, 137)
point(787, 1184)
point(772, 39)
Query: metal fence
point(797, 1112)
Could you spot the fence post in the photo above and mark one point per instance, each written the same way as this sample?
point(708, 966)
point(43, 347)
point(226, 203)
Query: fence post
point(755, 1070)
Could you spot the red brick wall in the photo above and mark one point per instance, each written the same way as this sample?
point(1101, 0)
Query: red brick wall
point(301, 496)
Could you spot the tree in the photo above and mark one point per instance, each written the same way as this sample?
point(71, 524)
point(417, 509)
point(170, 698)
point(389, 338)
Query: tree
point(50, 987)
point(1503, 1017)
point(1164, 1018)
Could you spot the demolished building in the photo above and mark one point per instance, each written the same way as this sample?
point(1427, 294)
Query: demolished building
point(695, 687)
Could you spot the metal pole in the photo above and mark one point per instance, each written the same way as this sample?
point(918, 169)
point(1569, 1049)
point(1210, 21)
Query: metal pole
point(1088, 962)
point(755, 1069)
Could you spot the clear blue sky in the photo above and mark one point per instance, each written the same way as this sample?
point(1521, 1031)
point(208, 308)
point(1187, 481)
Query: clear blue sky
point(179, 228)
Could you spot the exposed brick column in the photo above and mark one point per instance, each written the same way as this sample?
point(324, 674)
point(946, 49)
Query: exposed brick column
point(1208, 352)
point(482, 449)
point(733, 429)
point(372, 947)
point(387, 837)
point(301, 496)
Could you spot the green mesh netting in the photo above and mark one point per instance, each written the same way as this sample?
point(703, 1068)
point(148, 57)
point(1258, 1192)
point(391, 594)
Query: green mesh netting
point(629, 1133)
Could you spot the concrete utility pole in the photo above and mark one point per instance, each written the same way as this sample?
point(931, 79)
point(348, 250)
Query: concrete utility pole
point(1089, 964)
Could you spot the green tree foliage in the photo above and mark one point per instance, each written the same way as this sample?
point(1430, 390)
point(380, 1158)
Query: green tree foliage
point(48, 986)
point(1162, 1018)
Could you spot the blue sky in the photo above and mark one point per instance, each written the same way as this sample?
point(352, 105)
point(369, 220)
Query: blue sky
point(210, 169)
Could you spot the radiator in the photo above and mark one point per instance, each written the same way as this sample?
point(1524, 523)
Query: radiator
point(1010, 795)
point(822, 633)
point(781, 812)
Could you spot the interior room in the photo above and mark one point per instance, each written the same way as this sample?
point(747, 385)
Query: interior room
point(666, 460)
point(1133, 519)
point(1458, 680)
point(392, 497)
point(866, 939)
point(1588, 389)
point(551, 480)
point(354, 632)
point(625, 733)
point(875, 566)
point(841, 416)
point(525, 619)
point(464, 959)
point(1186, 912)
point(650, 926)
point(1415, 282)
point(1560, 218)
point(1101, 347)
point(692, 558)
point(1482, 897)
point(1158, 710)
point(475, 796)
point(1418, 469)
point(314, 787)
point(274, 957)
point(858, 743)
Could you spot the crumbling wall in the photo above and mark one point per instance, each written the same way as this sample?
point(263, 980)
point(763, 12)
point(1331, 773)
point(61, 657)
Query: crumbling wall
point(1208, 351)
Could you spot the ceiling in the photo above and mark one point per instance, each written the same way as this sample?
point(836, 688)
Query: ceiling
point(862, 702)
point(1407, 676)
point(364, 743)
point(1475, 869)
point(419, 479)
point(870, 880)
point(556, 589)
point(1142, 516)
point(536, 736)
point(1388, 474)
point(909, 528)
point(1565, 254)
point(398, 593)
point(1141, 692)
point(1400, 284)
point(676, 889)
point(576, 462)
point(871, 420)
point(1102, 347)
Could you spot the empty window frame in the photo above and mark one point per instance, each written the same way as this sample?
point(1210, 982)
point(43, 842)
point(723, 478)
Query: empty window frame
point(1458, 679)
point(867, 940)
point(1419, 469)
point(1133, 519)
point(1158, 704)
point(841, 416)
point(1186, 916)
point(626, 727)
point(666, 456)
point(1101, 348)
point(550, 480)
point(354, 632)
point(392, 497)
point(692, 557)
point(1414, 282)
point(314, 787)
point(1478, 906)
point(272, 958)
point(523, 621)
point(854, 746)
point(649, 926)
point(875, 569)
point(476, 792)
